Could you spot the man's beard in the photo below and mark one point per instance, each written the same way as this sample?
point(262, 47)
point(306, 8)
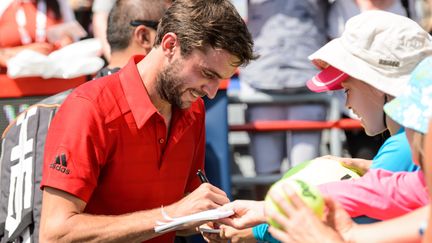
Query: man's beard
point(169, 86)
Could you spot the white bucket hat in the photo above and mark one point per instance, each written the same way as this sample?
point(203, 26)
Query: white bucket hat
point(377, 47)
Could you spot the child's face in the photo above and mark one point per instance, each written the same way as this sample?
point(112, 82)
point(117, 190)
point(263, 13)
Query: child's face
point(367, 103)
point(415, 140)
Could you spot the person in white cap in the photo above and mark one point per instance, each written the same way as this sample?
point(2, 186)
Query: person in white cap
point(411, 109)
point(372, 61)
point(376, 53)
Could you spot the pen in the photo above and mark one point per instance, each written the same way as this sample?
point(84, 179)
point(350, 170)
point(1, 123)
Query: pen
point(202, 177)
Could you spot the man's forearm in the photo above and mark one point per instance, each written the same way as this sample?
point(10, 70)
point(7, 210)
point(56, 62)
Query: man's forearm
point(133, 227)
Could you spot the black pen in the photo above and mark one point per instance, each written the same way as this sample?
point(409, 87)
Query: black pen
point(202, 177)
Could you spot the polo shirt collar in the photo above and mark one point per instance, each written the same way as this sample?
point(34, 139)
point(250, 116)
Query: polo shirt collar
point(137, 96)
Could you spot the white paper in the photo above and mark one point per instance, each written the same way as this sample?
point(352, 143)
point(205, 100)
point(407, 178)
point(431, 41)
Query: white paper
point(208, 215)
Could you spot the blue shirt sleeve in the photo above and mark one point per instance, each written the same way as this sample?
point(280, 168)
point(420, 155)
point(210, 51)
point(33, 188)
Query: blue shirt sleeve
point(261, 233)
point(394, 155)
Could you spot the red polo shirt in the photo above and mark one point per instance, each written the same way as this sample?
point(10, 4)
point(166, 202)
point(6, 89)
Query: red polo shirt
point(109, 146)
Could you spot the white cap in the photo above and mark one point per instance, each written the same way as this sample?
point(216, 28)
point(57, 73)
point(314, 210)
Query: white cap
point(377, 47)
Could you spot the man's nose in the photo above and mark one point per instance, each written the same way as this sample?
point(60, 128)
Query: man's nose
point(211, 89)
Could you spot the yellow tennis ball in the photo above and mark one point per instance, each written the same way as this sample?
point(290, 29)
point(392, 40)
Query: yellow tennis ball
point(308, 193)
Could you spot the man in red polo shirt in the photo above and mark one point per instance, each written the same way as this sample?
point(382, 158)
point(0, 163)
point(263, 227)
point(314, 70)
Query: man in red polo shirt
point(126, 144)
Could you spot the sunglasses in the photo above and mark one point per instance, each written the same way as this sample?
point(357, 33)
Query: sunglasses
point(149, 23)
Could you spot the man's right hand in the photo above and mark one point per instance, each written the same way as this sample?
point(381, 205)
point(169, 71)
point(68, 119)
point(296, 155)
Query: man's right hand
point(205, 197)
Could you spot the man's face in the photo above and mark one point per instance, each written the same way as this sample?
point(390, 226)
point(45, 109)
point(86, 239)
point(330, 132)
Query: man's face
point(185, 79)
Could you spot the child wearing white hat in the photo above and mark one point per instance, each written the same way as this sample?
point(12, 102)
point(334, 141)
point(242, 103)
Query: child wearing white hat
point(411, 109)
point(372, 61)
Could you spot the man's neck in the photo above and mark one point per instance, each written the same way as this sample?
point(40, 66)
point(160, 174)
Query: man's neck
point(149, 68)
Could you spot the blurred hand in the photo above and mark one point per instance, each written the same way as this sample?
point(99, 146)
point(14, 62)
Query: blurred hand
point(212, 237)
point(247, 213)
point(237, 236)
point(300, 224)
point(64, 41)
point(7, 53)
point(360, 166)
point(229, 233)
point(41, 47)
point(339, 220)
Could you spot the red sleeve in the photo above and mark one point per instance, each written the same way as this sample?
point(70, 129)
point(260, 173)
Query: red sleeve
point(198, 163)
point(74, 149)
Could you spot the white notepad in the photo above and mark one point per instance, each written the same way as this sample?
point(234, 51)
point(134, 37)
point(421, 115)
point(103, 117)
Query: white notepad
point(208, 215)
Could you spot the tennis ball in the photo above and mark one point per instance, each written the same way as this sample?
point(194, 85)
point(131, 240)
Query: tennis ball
point(321, 170)
point(308, 193)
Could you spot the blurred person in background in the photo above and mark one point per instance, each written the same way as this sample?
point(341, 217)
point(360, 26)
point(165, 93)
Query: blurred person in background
point(131, 30)
point(24, 24)
point(83, 13)
point(285, 33)
point(342, 10)
point(426, 19)
point(101, 10)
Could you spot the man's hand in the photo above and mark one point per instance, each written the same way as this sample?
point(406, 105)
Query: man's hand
point(205, 197)
point(247, 213)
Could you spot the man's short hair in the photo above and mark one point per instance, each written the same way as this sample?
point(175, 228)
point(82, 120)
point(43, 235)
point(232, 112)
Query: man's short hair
point(203, 23)
point(119, 30)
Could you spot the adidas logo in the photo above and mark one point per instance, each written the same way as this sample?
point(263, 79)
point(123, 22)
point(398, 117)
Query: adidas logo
point(60, 164)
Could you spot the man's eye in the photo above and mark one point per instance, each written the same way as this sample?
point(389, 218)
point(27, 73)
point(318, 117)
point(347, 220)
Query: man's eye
point(346, 91)
point(208, 75)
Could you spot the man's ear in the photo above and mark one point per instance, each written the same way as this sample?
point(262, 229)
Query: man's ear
point(143, 37)
point(169, 44)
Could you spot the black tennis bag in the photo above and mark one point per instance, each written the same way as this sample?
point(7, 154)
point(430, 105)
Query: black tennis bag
point(21, 164)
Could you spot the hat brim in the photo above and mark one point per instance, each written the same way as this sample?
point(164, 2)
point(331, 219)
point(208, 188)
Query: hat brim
point(328, 79)
point(405, 112)
point(337, 55)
